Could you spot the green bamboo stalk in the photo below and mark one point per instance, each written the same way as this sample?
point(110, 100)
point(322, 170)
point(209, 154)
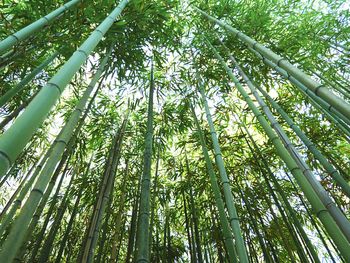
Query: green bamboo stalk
point(67, 154)
point(34, 27)
point(153, 201)
point(312, 148)
point(133, 225)
point(45, 251)
point(206, 246)
point(280, 235)
point(335, 212)
point(142, 237)
point(319, 209)
point(196, 226)
point(332, 114)
point(64, 164)
point(17, 234)
point(194, 212)
point(73, 214)
point(256, 212)
point(121, 239)
point(165, 233)
point(259, 158)
point(317, 88)
point(14, 195)
point(69, 226)
point(22, 84)
point(254, 225)
point(29, 184)
point(118, 220)
point(313, 221)
point(227, 232)
point(15, 138)
point(86, 251)
point(187, 226)
point(111, 172)
point(193, 236)
point(340, 89)
point(22, 194)
point(101, 253)
point(230, 204)
point(16, 112)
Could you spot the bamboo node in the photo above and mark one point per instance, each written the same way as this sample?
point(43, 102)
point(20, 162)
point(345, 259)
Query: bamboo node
point(45, 18)
point(56, 86)
point(280, 60)
point(39, 191)
point(318, 88)
point(6, 157)
point(83, 51)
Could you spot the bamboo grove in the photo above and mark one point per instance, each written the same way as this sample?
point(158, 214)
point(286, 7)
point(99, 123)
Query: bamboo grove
point(174, 131)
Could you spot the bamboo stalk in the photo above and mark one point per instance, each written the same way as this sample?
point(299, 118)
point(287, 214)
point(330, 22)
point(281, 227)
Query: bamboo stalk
point(16, 137)
point(17, 234)
point(227, 232)
point(230, 204)
point(34, 27)
point(332, 114)
point(317, 88)
point(319, 209)
point(142, 238)
point(311, 146)
point(22, 84)
point(258, 156)
point(335, 212)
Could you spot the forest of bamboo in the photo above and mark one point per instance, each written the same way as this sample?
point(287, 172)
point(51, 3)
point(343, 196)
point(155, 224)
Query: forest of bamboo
point(174, 131)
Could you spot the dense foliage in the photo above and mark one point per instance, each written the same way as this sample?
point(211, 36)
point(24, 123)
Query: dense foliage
point(175, 140)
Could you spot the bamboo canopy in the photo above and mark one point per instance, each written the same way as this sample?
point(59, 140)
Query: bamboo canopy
point(174, 131)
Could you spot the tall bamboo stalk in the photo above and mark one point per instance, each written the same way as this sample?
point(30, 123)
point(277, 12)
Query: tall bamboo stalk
point(133, 223)
point(22, 194)
point(319, 209)
point(335, 86)
point(194, 212)
point(17, 234)
point(254, 225)
point(118, 219)
point(96, 217)
point(22, 84)
point(189, 236)
point(105, 192)
point(14, 195)
point(310, 145)
point(317, 88)
point(34, 27)
point(226, 230)
point(63, 164)
point(41, 235)
point(335, 212)
point(142, 238)
point(331, 113)
point(230, 205)
point(73, 215)
point(15, 138)
point(153, 201)
point(260, 159)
